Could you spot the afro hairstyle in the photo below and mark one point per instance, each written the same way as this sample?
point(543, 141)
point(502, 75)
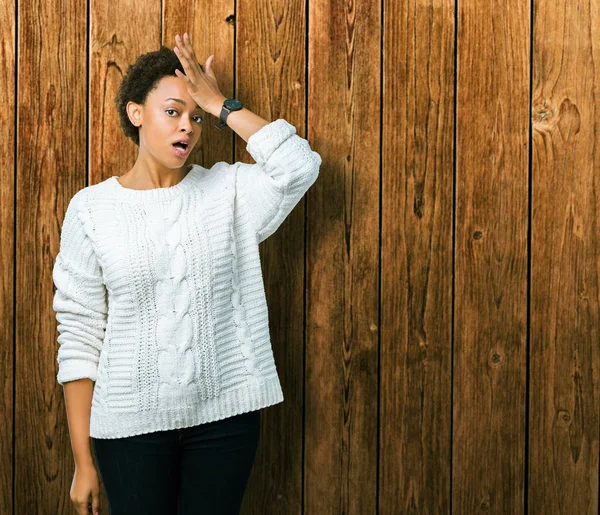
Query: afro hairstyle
point(140, 79)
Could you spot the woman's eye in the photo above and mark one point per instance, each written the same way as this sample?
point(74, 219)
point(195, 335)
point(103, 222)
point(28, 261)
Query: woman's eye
point(200, 118)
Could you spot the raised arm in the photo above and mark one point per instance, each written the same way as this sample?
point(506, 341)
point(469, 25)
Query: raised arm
point(285, 168)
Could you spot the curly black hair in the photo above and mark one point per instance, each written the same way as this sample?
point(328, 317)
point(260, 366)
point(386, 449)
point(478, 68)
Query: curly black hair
point(140, 79)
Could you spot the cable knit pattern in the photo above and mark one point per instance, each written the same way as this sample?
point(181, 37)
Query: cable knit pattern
point(239, 316)
point(159, 293)
point(176, 363)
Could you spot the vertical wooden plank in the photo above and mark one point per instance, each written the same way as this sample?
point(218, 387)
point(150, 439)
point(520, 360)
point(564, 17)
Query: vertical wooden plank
point(563, 467)
point(50, 168)
point(116, 42)
point(8, 98)
point(211, 26)
point(342, 330)
point(270, 79)
point(416, 249)
point(491, 257)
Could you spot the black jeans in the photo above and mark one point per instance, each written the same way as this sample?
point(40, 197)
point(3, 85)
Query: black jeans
point(202, 469)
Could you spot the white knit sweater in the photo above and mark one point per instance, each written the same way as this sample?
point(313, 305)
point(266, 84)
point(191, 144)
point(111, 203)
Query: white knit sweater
point(159, 293)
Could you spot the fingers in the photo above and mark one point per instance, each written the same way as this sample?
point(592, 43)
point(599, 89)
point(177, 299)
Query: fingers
point(185, 47)
point(186, 55)
point(95, 502)
point(190, 63)
point(81, 507)
point(183, 55)
point(209, 67)
point(180, 52)
point(181, 75)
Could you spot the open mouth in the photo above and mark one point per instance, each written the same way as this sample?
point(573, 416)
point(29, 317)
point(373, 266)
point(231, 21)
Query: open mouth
point(181, 149)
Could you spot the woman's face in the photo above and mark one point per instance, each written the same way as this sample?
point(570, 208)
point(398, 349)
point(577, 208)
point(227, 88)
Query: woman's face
point(170, 114)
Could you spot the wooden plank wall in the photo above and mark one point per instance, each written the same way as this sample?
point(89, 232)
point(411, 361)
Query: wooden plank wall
point(434, 300)
point(564, 352)
point(8, 115)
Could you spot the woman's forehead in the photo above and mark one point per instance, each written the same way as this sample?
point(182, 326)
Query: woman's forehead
point(173, 89)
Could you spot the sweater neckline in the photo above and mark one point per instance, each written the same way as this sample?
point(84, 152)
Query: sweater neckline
point(153, 194)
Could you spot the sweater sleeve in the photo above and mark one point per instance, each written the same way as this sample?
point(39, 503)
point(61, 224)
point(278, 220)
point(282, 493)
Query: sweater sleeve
point(80, 297)
point(285, 168)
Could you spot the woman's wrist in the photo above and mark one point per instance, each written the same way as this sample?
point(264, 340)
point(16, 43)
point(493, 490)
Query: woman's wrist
point(215, 106)
point(243, 122)
point(85, 462)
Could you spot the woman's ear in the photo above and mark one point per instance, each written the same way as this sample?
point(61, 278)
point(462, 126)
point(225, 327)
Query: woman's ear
point(135, 113)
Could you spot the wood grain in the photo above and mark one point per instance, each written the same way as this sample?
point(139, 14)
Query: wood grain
point(434, 299)
point(51, 167)
point(491, 257)
point(565, 256)
point(270, 77)
point(342, 311)
point(416, 258)
point(8, 135)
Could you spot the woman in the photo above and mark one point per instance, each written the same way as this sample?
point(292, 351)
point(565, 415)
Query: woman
point(165, 356)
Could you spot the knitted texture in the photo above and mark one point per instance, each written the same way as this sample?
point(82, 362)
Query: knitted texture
point(159, 294)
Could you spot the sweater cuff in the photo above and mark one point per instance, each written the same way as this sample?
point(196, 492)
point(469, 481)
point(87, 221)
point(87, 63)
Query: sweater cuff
point(264, 141)
point(72, 369)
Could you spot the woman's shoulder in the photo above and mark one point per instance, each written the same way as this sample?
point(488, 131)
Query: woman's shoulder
point(101, 188)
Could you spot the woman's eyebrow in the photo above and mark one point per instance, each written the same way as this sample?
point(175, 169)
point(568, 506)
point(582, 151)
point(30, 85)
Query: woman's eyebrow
point(182, 102)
